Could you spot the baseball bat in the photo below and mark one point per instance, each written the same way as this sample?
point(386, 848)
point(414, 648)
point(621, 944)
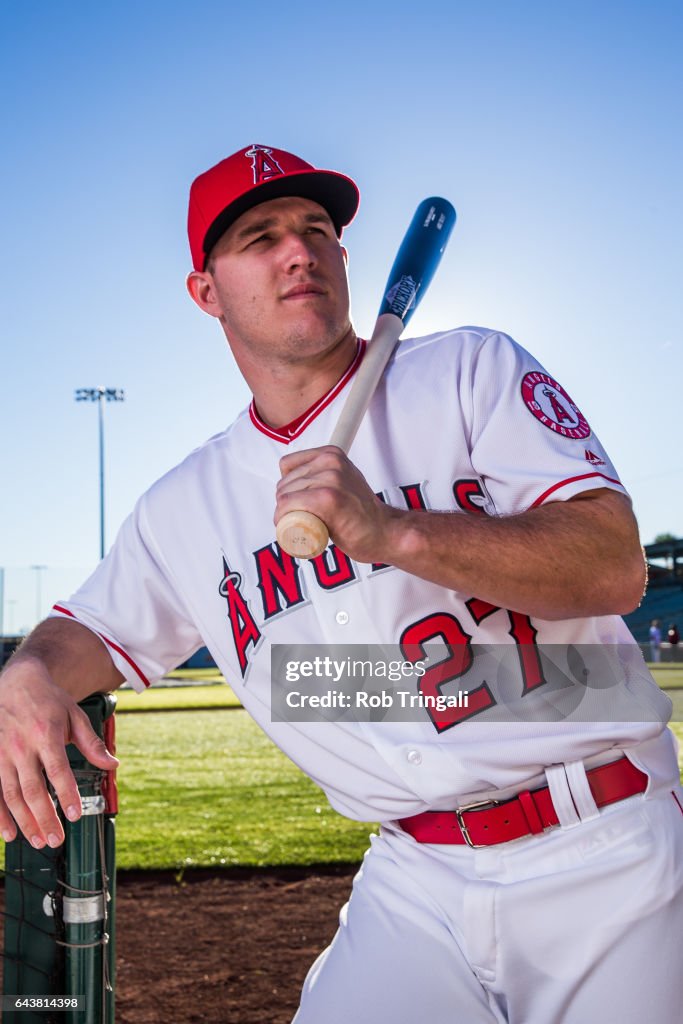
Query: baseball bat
point(303, 534)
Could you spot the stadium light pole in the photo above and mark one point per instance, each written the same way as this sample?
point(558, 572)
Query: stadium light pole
point(39, 597)
point(100, 395)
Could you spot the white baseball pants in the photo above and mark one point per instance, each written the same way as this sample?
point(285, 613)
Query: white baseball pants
point(581, 925)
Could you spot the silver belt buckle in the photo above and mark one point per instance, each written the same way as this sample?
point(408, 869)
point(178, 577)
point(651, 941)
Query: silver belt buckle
point(463, 827)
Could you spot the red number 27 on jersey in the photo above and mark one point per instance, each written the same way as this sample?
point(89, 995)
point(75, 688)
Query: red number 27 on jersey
point(444, 626)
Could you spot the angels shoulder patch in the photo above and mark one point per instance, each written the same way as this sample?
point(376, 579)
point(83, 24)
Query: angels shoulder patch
point(551, 405)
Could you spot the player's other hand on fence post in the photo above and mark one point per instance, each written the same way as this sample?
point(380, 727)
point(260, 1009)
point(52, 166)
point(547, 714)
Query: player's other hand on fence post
point(37, 720)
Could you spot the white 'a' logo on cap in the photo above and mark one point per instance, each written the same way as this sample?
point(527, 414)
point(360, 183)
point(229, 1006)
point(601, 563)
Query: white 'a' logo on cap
point(264, 164)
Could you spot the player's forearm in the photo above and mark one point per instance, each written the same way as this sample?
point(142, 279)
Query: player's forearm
point(75, 657)
point(563, 560)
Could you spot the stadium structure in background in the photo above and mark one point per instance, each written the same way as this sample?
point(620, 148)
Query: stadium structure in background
point(664, 597)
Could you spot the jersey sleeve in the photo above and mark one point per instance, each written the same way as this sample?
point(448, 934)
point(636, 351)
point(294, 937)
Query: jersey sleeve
point(530, 442)
point(131, 603)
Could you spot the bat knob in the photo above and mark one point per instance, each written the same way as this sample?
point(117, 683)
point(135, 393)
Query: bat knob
point(302, 535)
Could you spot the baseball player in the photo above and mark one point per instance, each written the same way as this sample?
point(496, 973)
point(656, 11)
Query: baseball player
point(528, 867)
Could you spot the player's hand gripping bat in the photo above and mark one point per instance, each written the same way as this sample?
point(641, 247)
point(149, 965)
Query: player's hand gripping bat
point(303, 534)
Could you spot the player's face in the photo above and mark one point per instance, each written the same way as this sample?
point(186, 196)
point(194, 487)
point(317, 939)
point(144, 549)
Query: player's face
point(279, 275)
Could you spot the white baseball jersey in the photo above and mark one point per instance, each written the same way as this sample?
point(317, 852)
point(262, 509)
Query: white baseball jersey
point(464, 421)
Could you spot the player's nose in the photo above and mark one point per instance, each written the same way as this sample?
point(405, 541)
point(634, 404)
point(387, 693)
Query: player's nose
point(299, 251)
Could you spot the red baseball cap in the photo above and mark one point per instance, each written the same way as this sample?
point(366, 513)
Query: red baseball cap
point(254, 175)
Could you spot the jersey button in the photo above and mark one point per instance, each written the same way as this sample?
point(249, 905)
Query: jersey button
point(342, 618)
point(414, 757)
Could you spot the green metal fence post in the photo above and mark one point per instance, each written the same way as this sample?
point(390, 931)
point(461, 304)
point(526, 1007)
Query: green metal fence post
point(88, 885)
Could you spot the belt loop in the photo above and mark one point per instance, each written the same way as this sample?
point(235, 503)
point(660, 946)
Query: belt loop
point(561, 796)
point(533, 818)
point(580, 790)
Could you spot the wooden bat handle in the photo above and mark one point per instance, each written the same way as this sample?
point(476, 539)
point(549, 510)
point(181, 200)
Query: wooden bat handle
point(301, 534)
point(384, 337)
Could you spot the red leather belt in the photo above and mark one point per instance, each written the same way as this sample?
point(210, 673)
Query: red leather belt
point(529, 813)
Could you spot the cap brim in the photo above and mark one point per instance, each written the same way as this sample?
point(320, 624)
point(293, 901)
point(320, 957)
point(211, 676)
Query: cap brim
point(335, 192)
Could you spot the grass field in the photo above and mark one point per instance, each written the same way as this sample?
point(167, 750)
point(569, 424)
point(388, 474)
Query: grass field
point(669, 677)
point(176, 698)
point(209, 675)
point(210, 789)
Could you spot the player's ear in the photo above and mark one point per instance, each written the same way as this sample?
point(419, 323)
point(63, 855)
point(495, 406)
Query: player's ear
point(201, 288)
point(345, 254)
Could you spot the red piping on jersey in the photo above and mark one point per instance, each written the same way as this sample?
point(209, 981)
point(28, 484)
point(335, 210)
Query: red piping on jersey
point(292, 430)
point(110, 643)
point(571, 480)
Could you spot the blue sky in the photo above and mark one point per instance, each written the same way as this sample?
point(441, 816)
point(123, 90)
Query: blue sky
point(555, 133)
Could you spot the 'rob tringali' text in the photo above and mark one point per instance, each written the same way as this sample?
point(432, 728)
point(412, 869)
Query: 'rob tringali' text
point(383, 699)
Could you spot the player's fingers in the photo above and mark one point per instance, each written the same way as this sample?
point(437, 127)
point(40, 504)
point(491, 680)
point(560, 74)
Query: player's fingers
point(83, 736)
point(288, 463)
point(318, 496)
point(325, 478)
point(27, 798)
point(302, 472)
point(302, 460)
point(8, 828)
point(329, 467)
point(61, 776)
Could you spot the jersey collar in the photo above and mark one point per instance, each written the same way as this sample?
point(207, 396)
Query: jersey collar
point(290, 431)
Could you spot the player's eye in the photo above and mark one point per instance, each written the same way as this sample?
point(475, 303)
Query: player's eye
point(259, 239)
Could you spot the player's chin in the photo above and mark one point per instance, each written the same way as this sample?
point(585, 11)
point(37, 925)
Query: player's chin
point(314, 309)
point(316, 333)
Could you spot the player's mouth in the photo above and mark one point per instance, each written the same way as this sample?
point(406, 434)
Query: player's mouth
point(303, 291)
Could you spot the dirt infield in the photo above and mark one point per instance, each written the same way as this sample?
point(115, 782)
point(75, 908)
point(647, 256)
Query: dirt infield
point(229, 949)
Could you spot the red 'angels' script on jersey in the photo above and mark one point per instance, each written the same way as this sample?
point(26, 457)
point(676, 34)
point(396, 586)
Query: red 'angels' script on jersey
point(553, 407)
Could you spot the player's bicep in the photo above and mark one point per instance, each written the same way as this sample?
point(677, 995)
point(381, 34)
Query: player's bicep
point(611, 512)
point(604, 537)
